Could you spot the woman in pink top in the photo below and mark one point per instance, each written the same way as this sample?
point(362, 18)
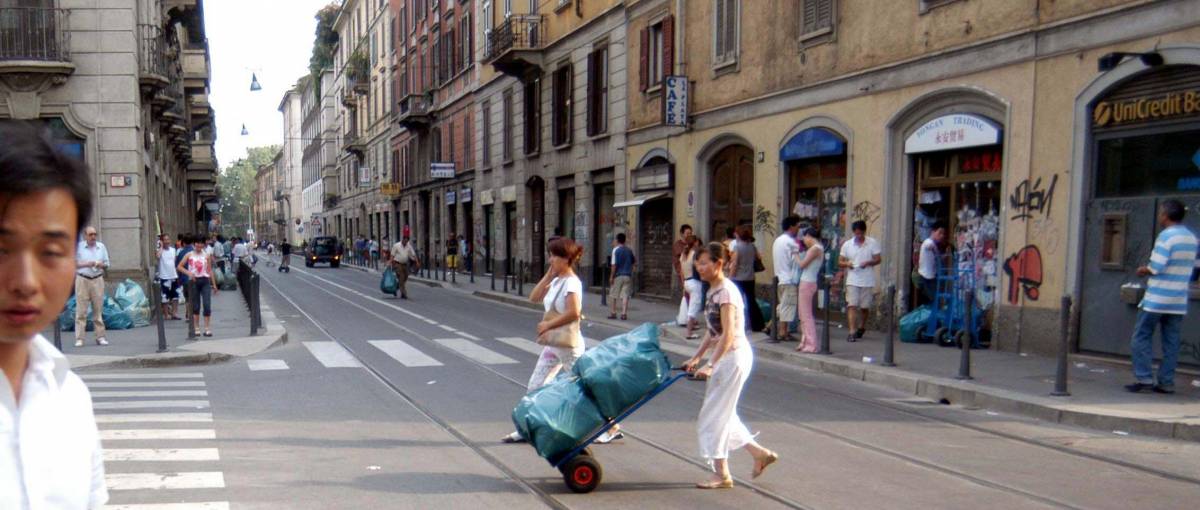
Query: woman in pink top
point(197, 265)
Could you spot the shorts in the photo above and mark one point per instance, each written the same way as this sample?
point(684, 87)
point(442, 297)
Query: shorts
point(622, 287)
point(170, 288)
point(788, 305)
point(860, 297)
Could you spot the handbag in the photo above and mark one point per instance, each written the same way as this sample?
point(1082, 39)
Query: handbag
point(758, 264)
point(562, 336)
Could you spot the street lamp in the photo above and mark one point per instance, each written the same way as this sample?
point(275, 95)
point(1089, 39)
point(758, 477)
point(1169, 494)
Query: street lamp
point(1112, 60)
point(254, 86)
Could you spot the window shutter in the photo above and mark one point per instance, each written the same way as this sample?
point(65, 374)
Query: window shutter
point(719, 31)
point(731, 27)
point(570, 95)
point(824, 14)
point(591, 94)
point(668, 35)
point(644, 60)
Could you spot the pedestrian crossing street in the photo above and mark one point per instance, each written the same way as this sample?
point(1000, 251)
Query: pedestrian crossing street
point(160, 449)
point(407, 353)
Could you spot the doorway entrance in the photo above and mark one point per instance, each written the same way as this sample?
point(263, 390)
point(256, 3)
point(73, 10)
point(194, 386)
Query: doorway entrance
point(732, 185)
point(537, 231)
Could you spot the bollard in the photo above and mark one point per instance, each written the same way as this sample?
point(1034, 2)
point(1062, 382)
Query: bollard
point(191, 302)
point(1060, 375)
point(964, 340)
point(453, 274)
point(493, 278)
point(505, 277)
point(825, 336)
point(774, 329)
point(255, 316)
point(473, 264)
point(156, 301)
point(604, 285)
point(521, 268)
point(889, 346)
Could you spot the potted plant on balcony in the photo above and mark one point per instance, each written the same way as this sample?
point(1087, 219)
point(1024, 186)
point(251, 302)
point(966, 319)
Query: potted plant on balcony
point(358, 71)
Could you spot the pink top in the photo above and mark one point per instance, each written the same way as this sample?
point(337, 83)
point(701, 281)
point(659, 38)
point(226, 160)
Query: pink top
point(198, 265)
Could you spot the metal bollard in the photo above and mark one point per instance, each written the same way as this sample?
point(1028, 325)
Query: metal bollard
point(964, 339)
point(191, 302)
point(1060, 375)
point(521, 268)
point(825, 336)
point(453, 274)
point(255, 311)
point(505, 277)
point(604, 285)
point(774, 329)
point(494, 278)
point(889, 346)
point(156, 300)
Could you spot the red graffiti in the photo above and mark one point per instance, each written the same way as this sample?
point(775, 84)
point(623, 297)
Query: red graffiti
point(1024, 269)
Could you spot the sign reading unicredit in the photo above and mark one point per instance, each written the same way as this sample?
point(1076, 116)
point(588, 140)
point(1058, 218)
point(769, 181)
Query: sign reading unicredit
point(956, 131)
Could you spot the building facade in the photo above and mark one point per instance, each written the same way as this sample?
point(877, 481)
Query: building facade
point(1017, 123)
point(288, 176)
point(125, 89)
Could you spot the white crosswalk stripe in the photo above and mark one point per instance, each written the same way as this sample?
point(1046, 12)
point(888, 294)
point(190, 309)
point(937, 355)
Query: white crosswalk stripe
point(475, 351)
point(167, 460)
point(404, 353)
point(266, 364)
point(522, 343)
point(332, 355)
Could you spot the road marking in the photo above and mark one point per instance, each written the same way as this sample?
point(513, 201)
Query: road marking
point(447, 328)
point(154, 418)
point(348, 289)
point(147, 384)
point(677, 349)
point(150, 394)
point(266, 364)
point(150, 404)
point(159, 375)
point(143, 481)
point(212, 505)
point(150, 434)
point(522, 343)
point(160, 454)
point(431, 322)
point(469, 336)
point(332, 355)
point(406, 354)
point(475, 351)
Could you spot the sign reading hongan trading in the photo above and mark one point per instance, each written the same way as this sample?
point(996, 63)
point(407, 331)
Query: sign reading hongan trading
point(956, 131)
point(1146, 109)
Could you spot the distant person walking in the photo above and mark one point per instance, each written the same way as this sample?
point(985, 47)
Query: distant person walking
point(743, 260)
point(1172, 264)
point(91, 259)
point(198, 265)
point(785, 254)
point(929, 261)
point(285, 257)
point(620, 282)
point(403, 258)
point(168, 278)
point(810, 270)
point(859, 256)
point(692, 285)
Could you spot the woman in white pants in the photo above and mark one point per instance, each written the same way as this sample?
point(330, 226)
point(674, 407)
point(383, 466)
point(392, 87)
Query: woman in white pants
point(719, 427)
point(692, 285)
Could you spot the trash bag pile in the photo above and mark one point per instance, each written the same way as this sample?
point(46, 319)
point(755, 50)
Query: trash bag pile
point(132, 300)
point(556, 417)
point(389, 284)
point(912, 323)
point(114, 317)
point(224, 280)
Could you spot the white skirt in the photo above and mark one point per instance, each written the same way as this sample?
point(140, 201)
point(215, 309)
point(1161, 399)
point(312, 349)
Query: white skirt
point(719, 428)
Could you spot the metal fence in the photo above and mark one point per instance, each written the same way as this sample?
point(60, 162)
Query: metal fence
point(34, 33)
point(248, 281)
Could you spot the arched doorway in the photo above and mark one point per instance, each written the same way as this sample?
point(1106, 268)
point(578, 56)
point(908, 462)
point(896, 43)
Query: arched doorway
point(537, 232)
point(731, 189)
point(815, 163)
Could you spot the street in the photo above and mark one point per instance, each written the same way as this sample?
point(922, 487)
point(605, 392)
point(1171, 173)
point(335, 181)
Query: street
point(382, 403)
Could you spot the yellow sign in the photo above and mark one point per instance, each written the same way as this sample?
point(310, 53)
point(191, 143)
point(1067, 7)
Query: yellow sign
point(391, 189)
point(1144, 109)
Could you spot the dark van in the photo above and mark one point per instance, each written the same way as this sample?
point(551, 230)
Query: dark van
point(323, 250)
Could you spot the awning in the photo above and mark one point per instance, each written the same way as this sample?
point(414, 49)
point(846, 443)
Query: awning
point(640, 199)
point(813, 143)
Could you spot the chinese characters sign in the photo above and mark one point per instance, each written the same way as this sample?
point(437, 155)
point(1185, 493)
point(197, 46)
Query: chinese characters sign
point(952, 132)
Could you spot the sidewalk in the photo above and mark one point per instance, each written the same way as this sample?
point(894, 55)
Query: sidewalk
point(138, 347)
point(1003, 381)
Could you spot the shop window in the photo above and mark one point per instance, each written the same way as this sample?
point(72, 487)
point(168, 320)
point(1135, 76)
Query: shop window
point(1147, 165)
point(1112, 247)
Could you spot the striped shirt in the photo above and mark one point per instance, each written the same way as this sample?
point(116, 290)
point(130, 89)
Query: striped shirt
point(1171, 265)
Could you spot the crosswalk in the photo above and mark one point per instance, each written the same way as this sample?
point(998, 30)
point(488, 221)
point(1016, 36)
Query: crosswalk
point(159, 450)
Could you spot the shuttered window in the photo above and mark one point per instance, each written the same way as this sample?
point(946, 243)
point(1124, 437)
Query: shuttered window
point(657, 56)
point(533, 115)
point(562, 109)
point(816, 17)
point(725, 31)
point(597, 91)
point(485, 143)
point(507, 133)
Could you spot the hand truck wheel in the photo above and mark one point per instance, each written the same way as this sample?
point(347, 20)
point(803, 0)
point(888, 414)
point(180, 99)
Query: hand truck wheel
point(582, 473)
point(942, 336)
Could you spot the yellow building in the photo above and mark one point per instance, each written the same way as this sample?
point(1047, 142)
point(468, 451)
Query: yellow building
point(1013, 121)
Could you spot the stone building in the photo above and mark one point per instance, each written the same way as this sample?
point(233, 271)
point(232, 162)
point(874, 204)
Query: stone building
point(288, 175)
point(318, 135)
point(124, 85)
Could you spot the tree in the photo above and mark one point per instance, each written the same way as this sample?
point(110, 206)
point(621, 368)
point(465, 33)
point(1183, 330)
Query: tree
point(236, 182)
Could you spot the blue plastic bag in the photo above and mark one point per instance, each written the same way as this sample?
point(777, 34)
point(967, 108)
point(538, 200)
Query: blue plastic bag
point(133, 302)
point(557, 417)
point(623, 369)
point(389, 284)
point(912, 323)
point(114, 317)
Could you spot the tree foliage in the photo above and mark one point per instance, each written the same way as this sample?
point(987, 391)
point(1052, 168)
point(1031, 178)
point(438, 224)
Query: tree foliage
point(326, 39)
point(236, 182)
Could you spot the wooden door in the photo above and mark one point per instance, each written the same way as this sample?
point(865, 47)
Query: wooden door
point(732, 186)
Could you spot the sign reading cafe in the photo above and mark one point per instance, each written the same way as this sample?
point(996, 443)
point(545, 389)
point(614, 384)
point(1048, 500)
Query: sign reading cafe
point(675, 101)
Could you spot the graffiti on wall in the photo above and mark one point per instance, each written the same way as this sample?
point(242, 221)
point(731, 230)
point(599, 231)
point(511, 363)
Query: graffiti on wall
point(764, 222)
point(1024, 269)
point(1030, 198)
point(865, 211)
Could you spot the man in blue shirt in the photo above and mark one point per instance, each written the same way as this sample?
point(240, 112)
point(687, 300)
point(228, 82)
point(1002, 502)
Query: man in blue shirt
point(1165, 303)
point(91, 259)
point(620, 282)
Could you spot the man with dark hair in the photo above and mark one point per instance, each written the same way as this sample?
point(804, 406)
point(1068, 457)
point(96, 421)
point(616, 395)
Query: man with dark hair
point(677, 249)
point(929, 261)
point(620, 281)
point(1172, 263)
point(785, 255)
point(49, 447)
point(859, 255)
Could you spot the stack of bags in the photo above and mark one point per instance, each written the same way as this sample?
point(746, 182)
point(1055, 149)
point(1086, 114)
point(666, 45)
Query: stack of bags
point(605, 381)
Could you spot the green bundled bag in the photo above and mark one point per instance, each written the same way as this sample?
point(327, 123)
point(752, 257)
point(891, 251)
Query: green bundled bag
point(133, 302)
point(912, 323)
point(623, 369)
point(557, 417)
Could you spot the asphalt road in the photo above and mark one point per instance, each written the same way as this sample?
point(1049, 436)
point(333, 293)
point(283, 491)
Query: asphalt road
point(400, 404)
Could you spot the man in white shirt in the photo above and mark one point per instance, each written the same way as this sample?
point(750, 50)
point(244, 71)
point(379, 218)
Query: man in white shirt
point(402, 255)
point(91, 259)
point(859, 255)
point(50, 455)
point(168, 278)
point(785, 253)
point(929, 260)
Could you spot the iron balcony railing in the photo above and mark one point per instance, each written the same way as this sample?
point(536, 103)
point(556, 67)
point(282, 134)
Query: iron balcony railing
point(518, 32)
point(153, 51)
point(34, 33)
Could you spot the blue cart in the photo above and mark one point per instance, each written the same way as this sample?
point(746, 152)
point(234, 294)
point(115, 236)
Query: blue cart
point(581, 471)
point(953, 308)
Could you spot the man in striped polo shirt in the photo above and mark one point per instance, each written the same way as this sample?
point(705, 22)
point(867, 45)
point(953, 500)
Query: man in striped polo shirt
point(1170, 270)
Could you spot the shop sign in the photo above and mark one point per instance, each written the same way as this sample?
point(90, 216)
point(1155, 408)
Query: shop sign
point(451, 197)
point(1146, 109)
point(464, 196)
point(442, 170)
point(652, 178)
point(508, 193)
point(390, 189)
point(485, 197)
point(952, 132)
point(675, 101)
point(364, 177)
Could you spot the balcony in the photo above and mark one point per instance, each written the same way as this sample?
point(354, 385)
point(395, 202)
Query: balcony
point(203, 156)
point(152, 59)
point(413, 111)
point(200, 106)
point(35, 41)
point(353, 142)
point(331, 200)
point(515, 47)
point(358, 72)
point(195, 65)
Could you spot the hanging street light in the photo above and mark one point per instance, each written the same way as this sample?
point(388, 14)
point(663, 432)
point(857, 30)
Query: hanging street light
point(244, 130)
point(254, 86)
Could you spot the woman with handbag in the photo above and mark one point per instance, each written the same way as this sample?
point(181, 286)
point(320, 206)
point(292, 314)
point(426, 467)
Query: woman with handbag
point(719, 428)
point(561, 293)
point(744, 262)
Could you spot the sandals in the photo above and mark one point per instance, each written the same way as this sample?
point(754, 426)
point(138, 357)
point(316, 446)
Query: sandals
point(612, 316)
point(512, 438)
point(716, 484)
point(760, 466)
point(208, 333)
point(624, 317)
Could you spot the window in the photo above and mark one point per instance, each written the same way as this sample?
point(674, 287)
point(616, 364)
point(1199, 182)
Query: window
point(419, 11)
point(561, 110)
point(597, 91)
point(533, 115)
point(464, 34)
point(488, 23)
point(403, 34)
point(657, 52)
point(485, 143)
point(725, 31)
point(437, 59)
point(926, 5)
point(436, 140)
point(507, 8)
point(467, 156)
point(450, 145)
point(816, 18)
point(533, 6)
point(508, 126)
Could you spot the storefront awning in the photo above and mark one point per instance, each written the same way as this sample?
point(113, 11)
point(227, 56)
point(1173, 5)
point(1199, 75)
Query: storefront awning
point(640, 199)
point(813, 143)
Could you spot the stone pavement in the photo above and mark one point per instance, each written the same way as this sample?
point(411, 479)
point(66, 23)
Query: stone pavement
point(138, 347)
point(1003, 381)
